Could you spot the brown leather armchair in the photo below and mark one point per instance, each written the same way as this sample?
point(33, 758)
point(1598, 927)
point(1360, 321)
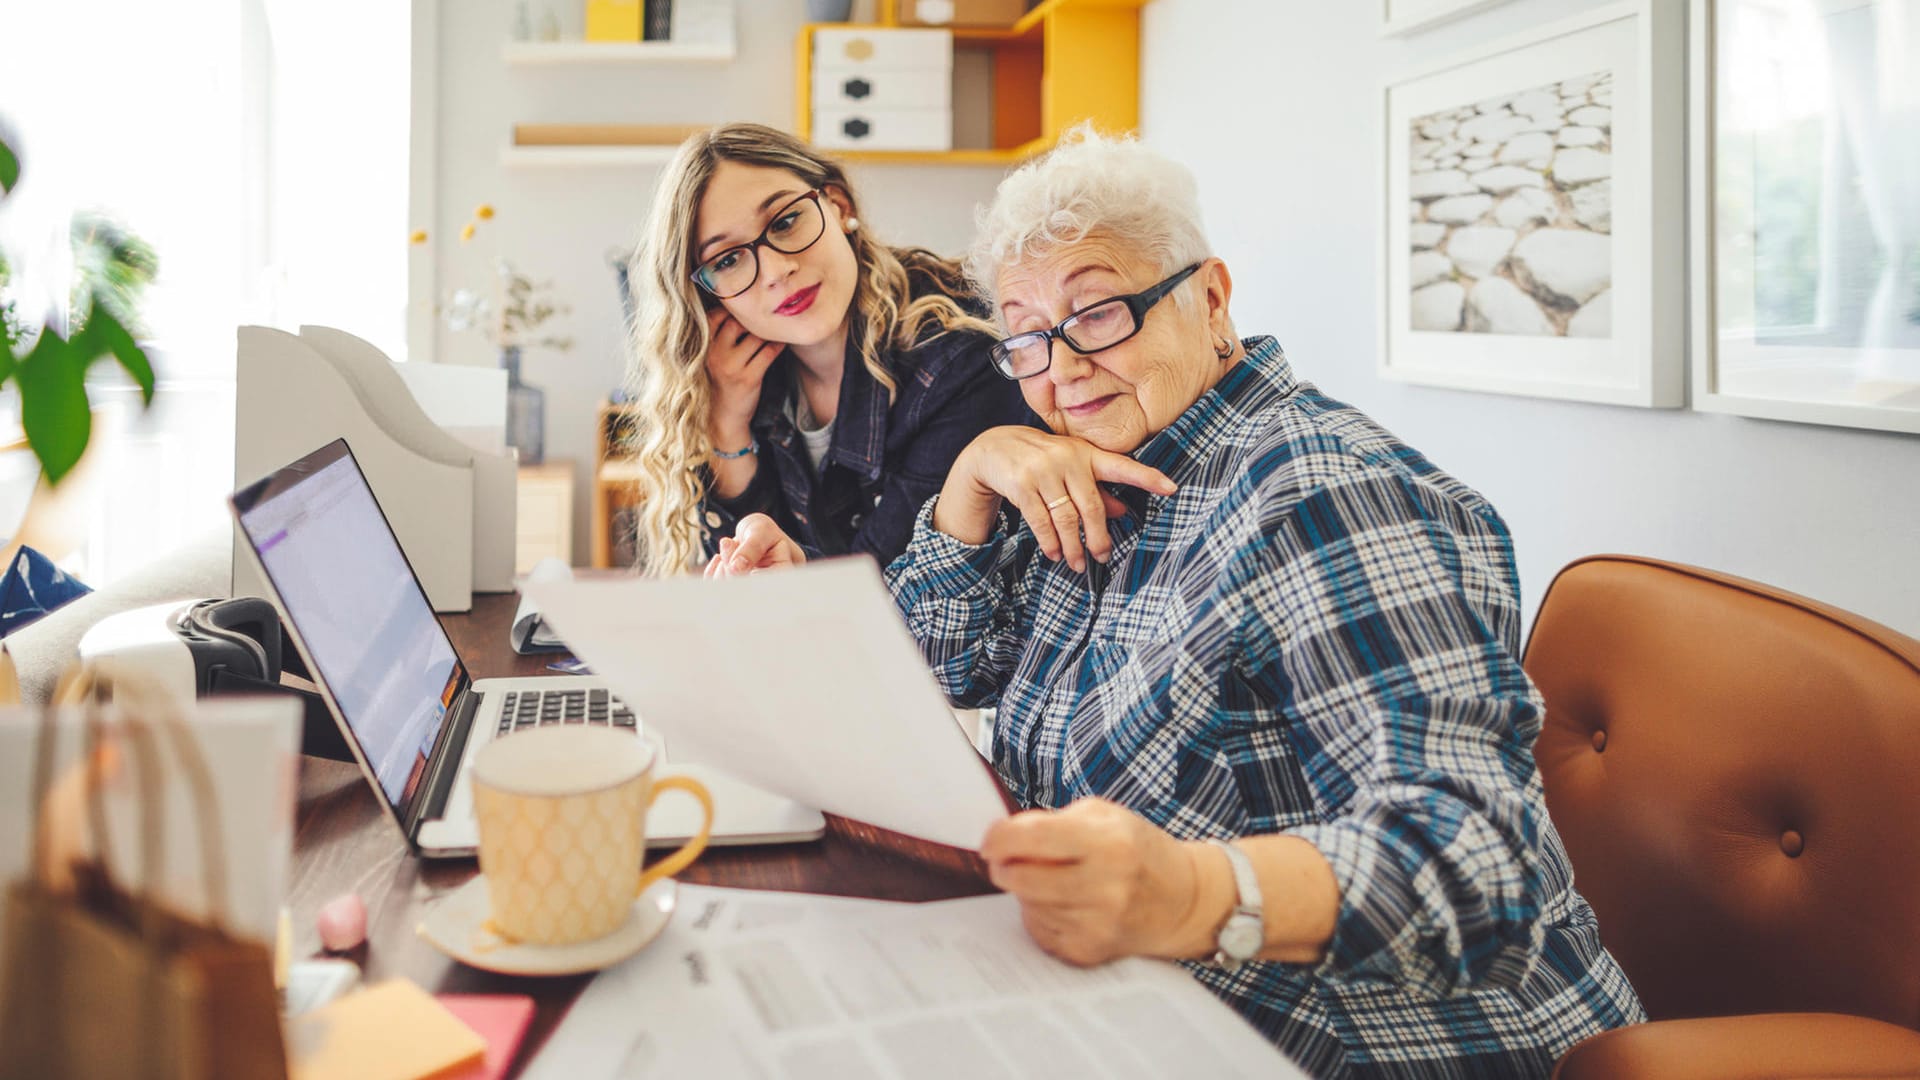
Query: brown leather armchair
point(1735, 771)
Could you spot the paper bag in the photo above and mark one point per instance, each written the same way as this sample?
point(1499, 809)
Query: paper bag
point(98, 981)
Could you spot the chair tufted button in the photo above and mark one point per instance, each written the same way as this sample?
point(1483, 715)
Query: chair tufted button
point(1791, 843)
point(1599, 742)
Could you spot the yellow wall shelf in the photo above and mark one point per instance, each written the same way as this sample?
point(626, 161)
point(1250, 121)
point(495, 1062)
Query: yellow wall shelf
point(1064, 62)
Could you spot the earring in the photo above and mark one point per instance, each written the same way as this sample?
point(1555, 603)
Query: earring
point(1224, 349)
point(852, 224)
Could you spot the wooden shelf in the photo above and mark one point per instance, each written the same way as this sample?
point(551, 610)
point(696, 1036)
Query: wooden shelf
point(1014, 156)
point(574, 157)
point(558, 53)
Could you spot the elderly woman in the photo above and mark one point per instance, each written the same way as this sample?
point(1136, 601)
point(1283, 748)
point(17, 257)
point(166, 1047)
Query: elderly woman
point(1255, 654)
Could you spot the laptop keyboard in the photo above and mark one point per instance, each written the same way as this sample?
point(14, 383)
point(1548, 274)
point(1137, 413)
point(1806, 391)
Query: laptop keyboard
point(522, 709)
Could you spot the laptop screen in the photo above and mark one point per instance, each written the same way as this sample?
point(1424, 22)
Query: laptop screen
point(353, 599)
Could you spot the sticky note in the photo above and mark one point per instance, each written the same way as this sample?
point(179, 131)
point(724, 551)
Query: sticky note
point(501, 1019)
point(393, 1031)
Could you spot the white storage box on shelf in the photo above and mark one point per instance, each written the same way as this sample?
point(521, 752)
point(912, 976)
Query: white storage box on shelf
point(883, 129)
point(883, 89)
point(839, 88)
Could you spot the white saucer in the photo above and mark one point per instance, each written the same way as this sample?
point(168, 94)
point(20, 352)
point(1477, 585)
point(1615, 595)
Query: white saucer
point(457, 926)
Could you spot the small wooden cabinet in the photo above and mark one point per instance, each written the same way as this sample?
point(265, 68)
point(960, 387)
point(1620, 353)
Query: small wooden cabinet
point(545, 519)
point(616, 489)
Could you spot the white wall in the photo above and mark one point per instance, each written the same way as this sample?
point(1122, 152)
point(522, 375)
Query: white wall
point(560, 224)
point(1275, 105)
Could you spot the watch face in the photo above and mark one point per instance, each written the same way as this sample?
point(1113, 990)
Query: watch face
point(1242, 937)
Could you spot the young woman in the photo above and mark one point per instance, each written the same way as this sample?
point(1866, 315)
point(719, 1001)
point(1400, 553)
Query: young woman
point(788, 363)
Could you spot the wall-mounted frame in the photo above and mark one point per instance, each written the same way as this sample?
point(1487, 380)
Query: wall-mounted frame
point(1406, 16)
point(1534, 204)
point(1805, 206)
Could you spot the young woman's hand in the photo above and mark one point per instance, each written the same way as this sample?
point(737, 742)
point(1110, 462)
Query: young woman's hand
point(756, 544)
point(736, 363)
point(1052, 480)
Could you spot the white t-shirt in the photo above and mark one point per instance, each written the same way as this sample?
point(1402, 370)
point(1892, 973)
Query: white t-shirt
point(816, 439)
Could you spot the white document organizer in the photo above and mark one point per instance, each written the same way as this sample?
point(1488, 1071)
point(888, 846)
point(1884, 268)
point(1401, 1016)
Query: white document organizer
point(451, 507)
point(883, 89)
point(496, 477)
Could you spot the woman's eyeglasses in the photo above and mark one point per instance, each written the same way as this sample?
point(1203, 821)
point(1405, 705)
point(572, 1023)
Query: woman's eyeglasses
point(1089, 330)
point(794, 229)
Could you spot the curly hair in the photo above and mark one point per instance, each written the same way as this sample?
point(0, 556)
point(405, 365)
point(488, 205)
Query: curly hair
point(669, 392)
point(1092, 183)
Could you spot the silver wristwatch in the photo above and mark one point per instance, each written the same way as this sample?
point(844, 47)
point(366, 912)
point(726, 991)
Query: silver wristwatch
point(1245, 931)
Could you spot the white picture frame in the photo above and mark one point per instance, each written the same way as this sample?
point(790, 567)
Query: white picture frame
point(1607, 321)
point(1773, 338)
point(1405, 16)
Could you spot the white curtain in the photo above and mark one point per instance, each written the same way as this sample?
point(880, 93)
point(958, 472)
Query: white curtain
point(1874, 57)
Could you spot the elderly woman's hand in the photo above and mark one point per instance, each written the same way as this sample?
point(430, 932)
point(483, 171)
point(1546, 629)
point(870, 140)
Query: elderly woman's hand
point(757, 543)
point(1097, 881)
point(1052, 479)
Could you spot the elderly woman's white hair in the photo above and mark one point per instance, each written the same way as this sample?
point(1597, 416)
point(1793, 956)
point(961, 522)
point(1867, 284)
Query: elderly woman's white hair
point(1091, 184)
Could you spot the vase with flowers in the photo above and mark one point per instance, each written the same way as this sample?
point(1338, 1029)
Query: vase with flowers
point(513, 314)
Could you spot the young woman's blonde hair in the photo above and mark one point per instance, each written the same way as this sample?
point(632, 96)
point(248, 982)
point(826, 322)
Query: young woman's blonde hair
point(667, 371)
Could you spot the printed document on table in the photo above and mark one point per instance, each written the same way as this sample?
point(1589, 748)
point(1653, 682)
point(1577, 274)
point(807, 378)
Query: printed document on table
point(745, 983)
point(804, 682)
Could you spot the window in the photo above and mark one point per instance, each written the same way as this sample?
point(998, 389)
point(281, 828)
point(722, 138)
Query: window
point(260, 147)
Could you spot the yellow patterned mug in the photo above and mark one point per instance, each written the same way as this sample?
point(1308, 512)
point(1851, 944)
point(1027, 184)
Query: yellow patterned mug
point(562, 814)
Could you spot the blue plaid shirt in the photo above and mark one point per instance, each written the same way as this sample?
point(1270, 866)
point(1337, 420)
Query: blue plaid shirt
point(1316, 635)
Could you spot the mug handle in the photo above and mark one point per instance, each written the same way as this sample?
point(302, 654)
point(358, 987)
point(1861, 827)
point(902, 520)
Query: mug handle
point(689, 851)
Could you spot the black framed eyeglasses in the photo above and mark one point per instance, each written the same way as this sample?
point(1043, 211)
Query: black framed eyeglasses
point(1089, 330)
point(794, 228)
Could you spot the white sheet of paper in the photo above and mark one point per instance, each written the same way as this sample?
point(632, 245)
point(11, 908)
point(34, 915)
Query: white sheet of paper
point(746, 983)
point(804, 682)
point(469, 402)
point(528, 629)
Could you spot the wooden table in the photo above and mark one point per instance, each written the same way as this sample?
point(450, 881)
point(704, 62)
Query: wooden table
point(344, 842)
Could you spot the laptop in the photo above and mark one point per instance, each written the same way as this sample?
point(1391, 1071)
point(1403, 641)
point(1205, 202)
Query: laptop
point(399, 690)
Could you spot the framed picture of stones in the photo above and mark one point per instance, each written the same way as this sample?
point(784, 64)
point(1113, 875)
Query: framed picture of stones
point(1806, 210)
point(1534, 213)
point(1406, 16)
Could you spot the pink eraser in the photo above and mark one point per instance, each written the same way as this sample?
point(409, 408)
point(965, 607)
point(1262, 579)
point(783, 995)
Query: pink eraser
point(342, 923)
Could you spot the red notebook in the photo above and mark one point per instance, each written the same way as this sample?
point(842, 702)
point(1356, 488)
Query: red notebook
point(501, 1019)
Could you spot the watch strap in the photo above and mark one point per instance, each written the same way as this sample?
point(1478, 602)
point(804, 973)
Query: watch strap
point(1248, 908)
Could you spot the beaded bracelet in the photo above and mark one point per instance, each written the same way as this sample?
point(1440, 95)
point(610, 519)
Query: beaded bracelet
point(753, 447)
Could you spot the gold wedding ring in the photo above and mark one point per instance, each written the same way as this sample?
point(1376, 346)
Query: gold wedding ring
point(1054, 504)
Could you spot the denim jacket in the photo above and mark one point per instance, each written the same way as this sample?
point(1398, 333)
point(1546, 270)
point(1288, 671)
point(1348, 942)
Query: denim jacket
point(884, 459)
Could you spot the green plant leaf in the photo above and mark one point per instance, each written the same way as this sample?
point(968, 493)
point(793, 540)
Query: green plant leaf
point(53, 404)
point(9, 168)
point(105, 334)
